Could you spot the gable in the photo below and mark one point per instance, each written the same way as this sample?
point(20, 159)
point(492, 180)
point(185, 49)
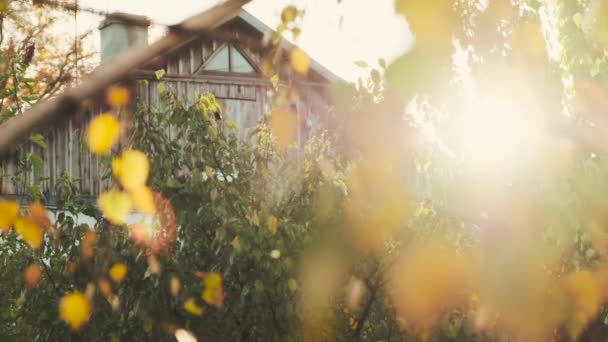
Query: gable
point(192, 58)
point(208, 56)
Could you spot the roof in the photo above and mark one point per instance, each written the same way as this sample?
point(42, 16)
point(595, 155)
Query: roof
point(244, 16)
point(285, 44)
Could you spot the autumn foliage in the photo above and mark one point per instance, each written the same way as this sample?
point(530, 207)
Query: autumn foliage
point(458, 193)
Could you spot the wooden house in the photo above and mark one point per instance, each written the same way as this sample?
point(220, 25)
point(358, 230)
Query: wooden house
point(229, 70)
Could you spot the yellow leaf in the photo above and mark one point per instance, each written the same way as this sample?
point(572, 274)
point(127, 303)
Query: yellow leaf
point(284, 126)
point(432, 21)
point(292, 284)
point(118, 272)
point(114, 303)
point(289, 13)
point(236, 243)
point(209, 171)
point(213, 280)
point(275, 80)
point(272, 224)
point(299, 61)
point(153, 265)
point(133, 169)
point(585, 291)
point(115, 206)
point(29, 232)
point(103, 132)
point(117, 96)
point(175, 286)
point(89, 291)
point(116, 165)
point(192, 308)
point(182, 335)
point(427, 280)
point(352, 323)
point(578, 19)
point(8, 213)
point(143, 200)
point(254, 220)
point(147, 326)
point(74, 309)
point(213, 293)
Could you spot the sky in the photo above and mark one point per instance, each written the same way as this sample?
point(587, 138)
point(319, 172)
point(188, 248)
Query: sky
point(368, 30)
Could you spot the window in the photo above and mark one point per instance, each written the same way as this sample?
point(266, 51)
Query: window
point(229, 59)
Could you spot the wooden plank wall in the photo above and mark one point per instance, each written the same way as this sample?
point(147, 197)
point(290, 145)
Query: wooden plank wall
point(65, 156)
point(243, 104)
point(244, 100)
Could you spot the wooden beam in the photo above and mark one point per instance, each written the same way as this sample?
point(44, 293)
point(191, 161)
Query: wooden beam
point(231, 78)
point(48, 113)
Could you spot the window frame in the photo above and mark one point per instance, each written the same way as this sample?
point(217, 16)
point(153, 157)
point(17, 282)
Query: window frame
point(230, 47)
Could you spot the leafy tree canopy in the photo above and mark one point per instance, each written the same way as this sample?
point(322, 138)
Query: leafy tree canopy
point(456, 194)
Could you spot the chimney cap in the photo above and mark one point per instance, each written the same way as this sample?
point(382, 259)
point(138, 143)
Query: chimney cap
point(126, 19)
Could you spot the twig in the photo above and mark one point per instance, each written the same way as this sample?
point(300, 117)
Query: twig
point(1, 29)
point(276, 322)
point(366, 310)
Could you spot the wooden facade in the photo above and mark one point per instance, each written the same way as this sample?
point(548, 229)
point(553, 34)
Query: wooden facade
point(245, 99)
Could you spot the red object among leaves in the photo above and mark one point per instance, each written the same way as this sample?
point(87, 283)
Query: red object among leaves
point(164, 222)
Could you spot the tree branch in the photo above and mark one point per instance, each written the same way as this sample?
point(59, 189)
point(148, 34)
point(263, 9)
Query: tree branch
point(1, 29)
point(366, 310)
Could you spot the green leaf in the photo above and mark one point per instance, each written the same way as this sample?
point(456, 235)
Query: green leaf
point(197, 178)
point(30, 98)
point(296, 32)
point(590, 254)
point(161, 88)
point(173, 183)
point(375, 76)
point(38, 139)
point(382, 63)
point(36, 161)
point(361, 64)
point(159, 74)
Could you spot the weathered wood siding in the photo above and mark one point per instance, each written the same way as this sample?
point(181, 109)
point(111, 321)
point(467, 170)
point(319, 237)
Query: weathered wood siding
point(245, 99)
point(243, 104)
point(65, 156)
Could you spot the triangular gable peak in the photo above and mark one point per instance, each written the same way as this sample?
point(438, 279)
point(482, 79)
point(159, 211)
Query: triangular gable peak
point(205, 55)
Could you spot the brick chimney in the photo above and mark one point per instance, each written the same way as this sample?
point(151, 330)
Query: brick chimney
point(121, 31)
